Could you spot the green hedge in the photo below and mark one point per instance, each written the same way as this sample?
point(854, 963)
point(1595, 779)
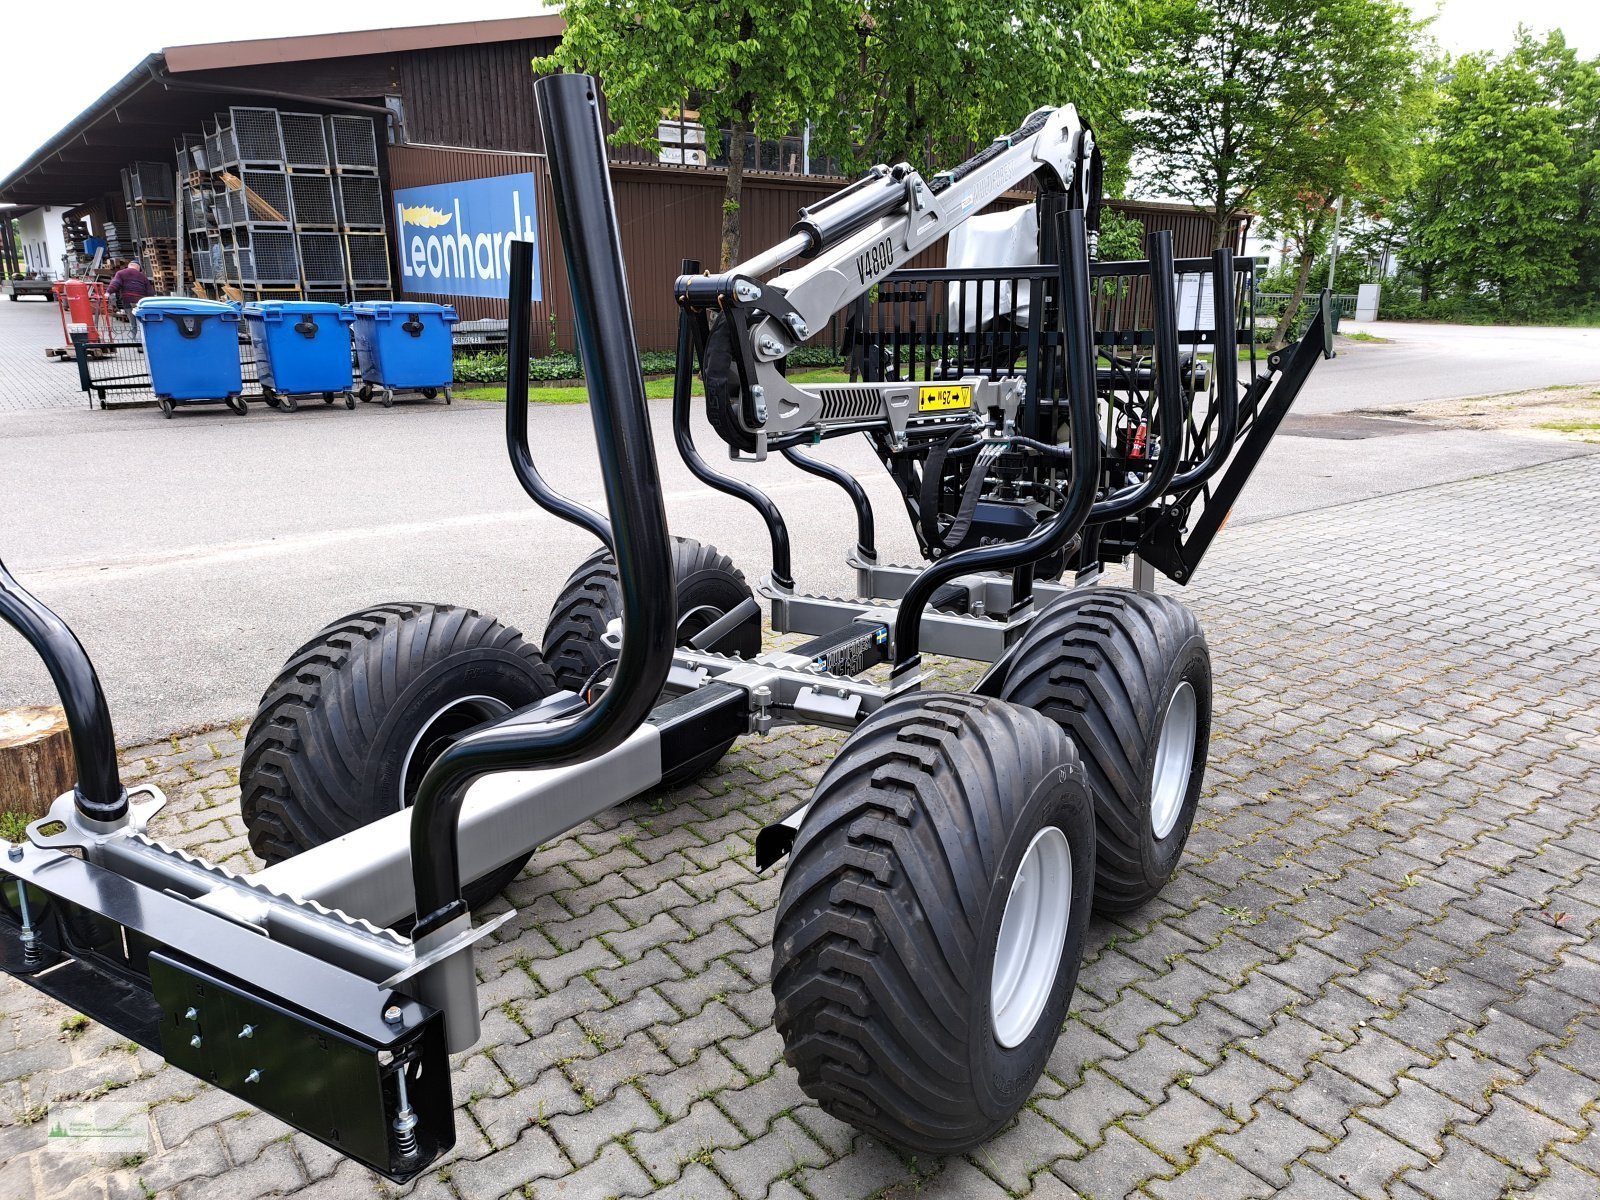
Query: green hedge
point(491, 367)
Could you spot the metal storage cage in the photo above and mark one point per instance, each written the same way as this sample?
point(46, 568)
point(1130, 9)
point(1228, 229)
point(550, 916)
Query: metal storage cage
point(355, 143)
point(360, 201)
point(369, 259)
point(219, 144)
point(272, 252)
point(312, 197)
point(305, 144)
point(257, 136)
point(361, 294)
point(149, 181)
point(263, 199)
point(322, 258)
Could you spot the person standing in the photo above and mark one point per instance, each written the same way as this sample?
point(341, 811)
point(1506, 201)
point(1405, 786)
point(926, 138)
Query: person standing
point(129, 286)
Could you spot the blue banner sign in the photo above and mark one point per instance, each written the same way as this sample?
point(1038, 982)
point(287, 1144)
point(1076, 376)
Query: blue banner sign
point(455, 238)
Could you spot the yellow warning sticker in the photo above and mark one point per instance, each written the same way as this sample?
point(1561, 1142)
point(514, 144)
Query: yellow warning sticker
point(944, 397)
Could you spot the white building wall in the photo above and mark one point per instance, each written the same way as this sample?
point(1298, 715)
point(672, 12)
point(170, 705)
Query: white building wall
point(42, 246)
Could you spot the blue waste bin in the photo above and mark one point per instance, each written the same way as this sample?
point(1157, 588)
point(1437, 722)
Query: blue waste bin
point(302, 347)
point(193, 350)
point(403, 345)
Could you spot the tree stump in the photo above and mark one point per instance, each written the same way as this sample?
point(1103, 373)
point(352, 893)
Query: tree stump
point(36, 763)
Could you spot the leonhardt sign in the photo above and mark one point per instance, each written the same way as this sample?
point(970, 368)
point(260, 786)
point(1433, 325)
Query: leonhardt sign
point(455, 238)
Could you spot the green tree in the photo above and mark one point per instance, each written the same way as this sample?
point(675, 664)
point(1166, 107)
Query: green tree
point(1504, 208)
point(931, 79)
point(746, 65)
point(1247, 96)
point(922, 81)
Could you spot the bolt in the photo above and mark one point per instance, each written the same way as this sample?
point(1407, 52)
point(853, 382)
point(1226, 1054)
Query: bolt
point(30, 936)
point(798, 326)
point(195, 1041)
point(771, 345)
point(746, 291)
point(248, 1031)
point(392, 1015)
point(405, 1121)
point(253, 1077)
point(14, 854)
point(191, 1014)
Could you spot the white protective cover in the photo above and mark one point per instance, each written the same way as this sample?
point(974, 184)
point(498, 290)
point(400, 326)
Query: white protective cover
point(1002, 239)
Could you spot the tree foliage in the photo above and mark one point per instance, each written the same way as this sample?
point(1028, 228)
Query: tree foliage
point(924, 81)
point(1504, 207)
point(1248, 101)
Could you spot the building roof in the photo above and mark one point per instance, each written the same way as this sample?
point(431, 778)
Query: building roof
point(141, 115)
point(261, 51)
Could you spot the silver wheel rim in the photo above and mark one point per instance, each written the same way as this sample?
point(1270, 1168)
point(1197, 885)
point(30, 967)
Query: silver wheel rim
point(1169, 782)
point(1033, 930)
point(484, 708)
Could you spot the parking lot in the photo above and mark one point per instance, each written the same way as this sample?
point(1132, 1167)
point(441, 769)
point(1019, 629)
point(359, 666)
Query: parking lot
point(1374, 974)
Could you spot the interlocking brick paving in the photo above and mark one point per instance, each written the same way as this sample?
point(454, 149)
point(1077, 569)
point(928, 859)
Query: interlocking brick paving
point(1374, 974)
point(30, 380)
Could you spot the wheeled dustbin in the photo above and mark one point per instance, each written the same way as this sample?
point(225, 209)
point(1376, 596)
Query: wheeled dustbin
point(302, 348)
point(193, 349)
point(403, 346)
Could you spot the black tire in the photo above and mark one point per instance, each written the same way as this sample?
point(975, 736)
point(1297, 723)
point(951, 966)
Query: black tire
point(708, 585)
point(430, 393)
point(166, 407)
point(1107, 664)
point(329, 747)
point(240, 406)
point(885, 941)
point(365, 393)
point(349, 402)
point(269, 397)
point(327, 397)
point(290, 404)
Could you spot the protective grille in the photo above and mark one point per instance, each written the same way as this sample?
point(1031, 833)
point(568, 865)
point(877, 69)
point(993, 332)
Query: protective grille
point(304, 143)
point(313, 200)
point(354, 143)
point(850, 404)
point(361, 201)
point(372, 294)
point(273, 251)
point(256, 134)
point(266, 196)
point(369, 259)
point(322, 257)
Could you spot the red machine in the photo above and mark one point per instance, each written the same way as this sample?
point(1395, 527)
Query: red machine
point(84, 303)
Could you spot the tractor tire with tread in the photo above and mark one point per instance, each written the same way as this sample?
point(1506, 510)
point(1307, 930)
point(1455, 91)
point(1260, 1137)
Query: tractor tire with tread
point(338, 740)
point(707, 582)
point(889, 964)
point(1109, 665)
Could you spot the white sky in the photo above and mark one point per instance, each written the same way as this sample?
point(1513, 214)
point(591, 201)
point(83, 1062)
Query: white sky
point(55, 69)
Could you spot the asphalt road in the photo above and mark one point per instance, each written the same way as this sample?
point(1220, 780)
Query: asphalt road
point(192, 555)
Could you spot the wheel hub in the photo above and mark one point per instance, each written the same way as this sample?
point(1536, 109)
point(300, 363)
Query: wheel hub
point(1169, 781)
point(1033, 929)
point(438, 732)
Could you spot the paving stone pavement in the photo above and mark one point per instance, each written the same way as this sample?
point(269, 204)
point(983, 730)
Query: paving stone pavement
point(1373, 975)
point(30, 380)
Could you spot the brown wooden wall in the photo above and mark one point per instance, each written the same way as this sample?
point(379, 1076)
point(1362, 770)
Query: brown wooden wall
point(480, 96)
